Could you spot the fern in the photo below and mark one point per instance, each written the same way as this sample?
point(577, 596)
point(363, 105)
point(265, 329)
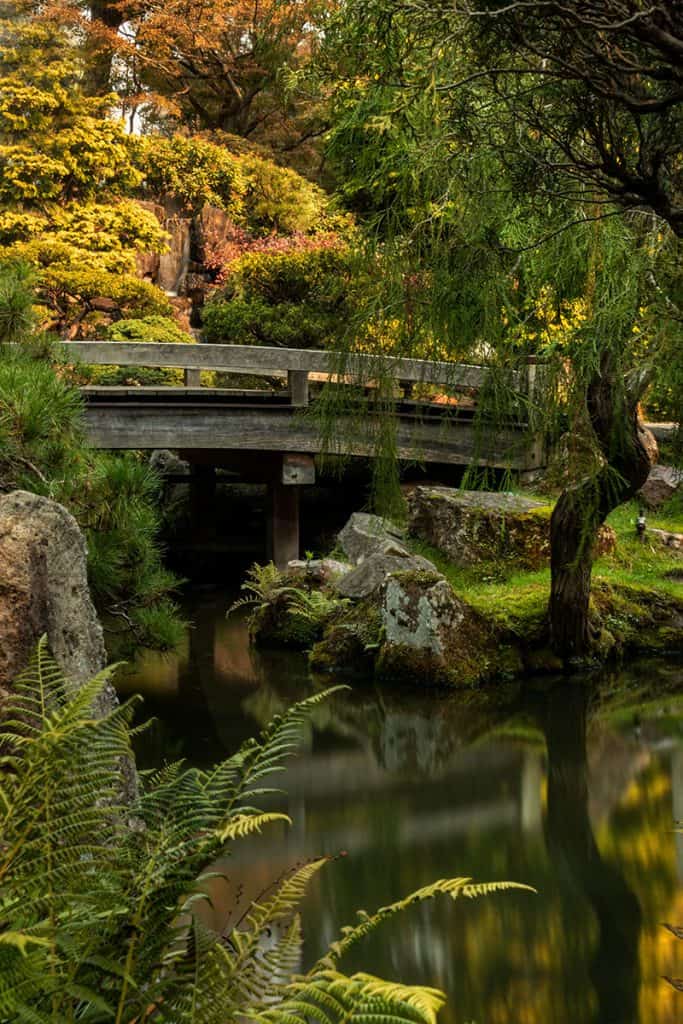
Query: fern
point(98, 901)
point(263, 585)
point(314, 607)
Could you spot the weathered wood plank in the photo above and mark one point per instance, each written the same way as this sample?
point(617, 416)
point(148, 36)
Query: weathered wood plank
point(264, 361)
point(298, 387)
point(282, 429)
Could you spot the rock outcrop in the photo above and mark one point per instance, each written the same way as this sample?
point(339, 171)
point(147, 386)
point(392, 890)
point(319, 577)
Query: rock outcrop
point(44, 589)
point(471, 527)
point(480, 526)
point(376, 549)
point(369, 575)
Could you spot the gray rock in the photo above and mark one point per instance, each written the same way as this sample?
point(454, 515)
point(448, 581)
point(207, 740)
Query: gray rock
point(430, 637)
point(318, 570)
point(167, 463)
point(44, 590)
point(479, 526)
point(424, 616)
point(661, 485)
point(365, 534)
point(369, 575)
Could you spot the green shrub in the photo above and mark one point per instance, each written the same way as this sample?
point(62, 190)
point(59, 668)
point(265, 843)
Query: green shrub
point(99, 897)
point(191, 170)
point(278, 199)
point(254, 322)
point(149, 329)
point(297, 299)
point(114, 498)
point(77, 286)
point(313, 275)
point(155, 329)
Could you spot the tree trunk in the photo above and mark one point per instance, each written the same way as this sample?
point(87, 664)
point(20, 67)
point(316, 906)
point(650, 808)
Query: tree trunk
point(107, 18)
point(583, 508)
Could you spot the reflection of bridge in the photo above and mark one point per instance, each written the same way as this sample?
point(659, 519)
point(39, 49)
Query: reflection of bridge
point(265, 435)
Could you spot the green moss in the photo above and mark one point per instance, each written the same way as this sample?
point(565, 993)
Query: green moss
point(350, 642)
point(273, 625)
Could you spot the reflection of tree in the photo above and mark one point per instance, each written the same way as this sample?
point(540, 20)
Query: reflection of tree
point(615, 967)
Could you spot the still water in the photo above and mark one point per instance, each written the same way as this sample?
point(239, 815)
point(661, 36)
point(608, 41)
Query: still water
point(570, 792)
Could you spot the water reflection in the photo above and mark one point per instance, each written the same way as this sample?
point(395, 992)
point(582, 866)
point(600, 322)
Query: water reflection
point(572, 794)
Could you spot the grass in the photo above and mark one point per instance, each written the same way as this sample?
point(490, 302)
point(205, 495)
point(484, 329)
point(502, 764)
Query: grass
point(517, 600)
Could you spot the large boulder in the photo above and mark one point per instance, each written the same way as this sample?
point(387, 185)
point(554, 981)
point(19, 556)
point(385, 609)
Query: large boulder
point(480, 526)
point(471, 527)
point(364, 534)
point(433, 638)
point(661, 485)
point(44, 589)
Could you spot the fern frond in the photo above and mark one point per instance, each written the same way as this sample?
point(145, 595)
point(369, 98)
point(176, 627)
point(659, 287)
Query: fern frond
point(101, 903)
point(453, 887)
point(243, 825)
point(21, 941)
point(333, 998)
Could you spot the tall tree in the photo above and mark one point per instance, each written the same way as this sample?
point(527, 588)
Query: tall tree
point(492, 181)
point(225, 65)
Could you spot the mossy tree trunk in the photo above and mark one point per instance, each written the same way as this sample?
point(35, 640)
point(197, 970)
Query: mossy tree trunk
point(612, 407)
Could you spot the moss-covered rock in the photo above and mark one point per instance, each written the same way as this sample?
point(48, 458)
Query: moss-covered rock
point(415, 633)
point(637, 619)
point(350, 642)
point(470, 527)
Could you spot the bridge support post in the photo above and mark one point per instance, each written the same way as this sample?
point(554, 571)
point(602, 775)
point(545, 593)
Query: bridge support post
point(293, 472)
point(284, 523)
point(193, 378)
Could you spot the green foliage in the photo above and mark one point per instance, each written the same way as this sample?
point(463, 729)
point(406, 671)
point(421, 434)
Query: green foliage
point(99, 898)
point(114, 498)
point(16, 303)
point(191, 170)
point(70, 289)
point(278, 199)
point(297, 299)
point(149, 329)
point(155, 329)
point(56, 144)
point(263, 585)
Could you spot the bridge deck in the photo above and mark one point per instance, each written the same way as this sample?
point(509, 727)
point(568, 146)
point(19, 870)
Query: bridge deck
point(228, 420)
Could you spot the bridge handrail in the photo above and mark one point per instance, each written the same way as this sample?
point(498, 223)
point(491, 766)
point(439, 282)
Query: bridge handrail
point(262, 361)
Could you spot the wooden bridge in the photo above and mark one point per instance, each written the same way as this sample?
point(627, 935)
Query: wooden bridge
point(270, 435)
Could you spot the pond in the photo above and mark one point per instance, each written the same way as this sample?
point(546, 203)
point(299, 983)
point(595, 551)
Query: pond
point(567, 791)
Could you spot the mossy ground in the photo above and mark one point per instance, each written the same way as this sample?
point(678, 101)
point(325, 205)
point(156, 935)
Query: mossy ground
point(627, 583)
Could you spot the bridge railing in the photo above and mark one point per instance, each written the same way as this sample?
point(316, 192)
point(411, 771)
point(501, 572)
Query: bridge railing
point(296, 363)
